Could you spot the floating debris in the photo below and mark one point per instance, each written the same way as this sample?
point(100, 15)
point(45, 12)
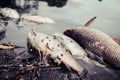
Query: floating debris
point(9, 46)
point(106, 50)
point(75, 49)
point(71, 45)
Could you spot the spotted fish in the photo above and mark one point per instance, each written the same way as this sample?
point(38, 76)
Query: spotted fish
point(97, 42)
point(50, 46)
point(71, 45)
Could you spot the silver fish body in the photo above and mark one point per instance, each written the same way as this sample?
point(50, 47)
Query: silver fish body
point(48, 45)
point(71, 45)
point(98, 43)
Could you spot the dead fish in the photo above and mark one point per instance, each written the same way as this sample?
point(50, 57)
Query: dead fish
point(51, 47)
point(9, 12)
point(75, 49)
point(71, 45)
point(9, 46)
point(90, 21)
point(97, 42)
point(37, 19)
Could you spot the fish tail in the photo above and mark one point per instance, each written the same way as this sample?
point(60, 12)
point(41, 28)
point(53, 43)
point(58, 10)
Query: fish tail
point(83, 75)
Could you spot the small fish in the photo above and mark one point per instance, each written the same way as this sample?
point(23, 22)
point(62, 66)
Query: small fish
point(50, 46)
point(90, 21)
point(8, 46)
point(97, 43)
point(8, 12)
point(37, 19)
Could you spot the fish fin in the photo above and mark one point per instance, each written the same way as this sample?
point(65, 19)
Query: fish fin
point(100, 60)
point(90, 54)
point(67, 67)
point(83, 75)
point(90, 21)
point(95, 57)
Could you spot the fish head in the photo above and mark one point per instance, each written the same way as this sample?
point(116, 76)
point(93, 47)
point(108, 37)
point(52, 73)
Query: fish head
point(30, 45)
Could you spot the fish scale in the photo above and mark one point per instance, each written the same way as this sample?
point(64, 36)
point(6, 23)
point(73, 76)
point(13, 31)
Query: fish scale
point(89, 38)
